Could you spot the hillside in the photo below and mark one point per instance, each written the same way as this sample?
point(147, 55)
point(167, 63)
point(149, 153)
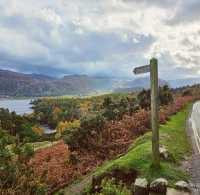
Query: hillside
point(138, 84)
point(18, 84)
point(14, 84)
point(183, 82)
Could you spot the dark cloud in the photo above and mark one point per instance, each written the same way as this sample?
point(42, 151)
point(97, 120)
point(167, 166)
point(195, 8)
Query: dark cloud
point(187, 11)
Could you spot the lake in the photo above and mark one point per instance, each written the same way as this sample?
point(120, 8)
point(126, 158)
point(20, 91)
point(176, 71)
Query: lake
point(21, 106)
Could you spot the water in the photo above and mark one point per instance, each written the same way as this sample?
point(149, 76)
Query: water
point(47, 130)
point(21, 107)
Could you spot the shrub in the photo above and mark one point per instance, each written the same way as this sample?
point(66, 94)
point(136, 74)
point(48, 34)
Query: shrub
point(165, 97)
point(187, 92)
point(38, 130)
point(67, 125)
point(109, 187)
point(93, 122)
point(144, 99)
point(17, 176)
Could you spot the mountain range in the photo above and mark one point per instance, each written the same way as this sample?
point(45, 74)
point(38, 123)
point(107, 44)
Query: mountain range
point(15, 84)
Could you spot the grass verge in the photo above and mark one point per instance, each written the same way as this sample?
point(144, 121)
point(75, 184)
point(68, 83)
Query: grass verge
point(173, 136)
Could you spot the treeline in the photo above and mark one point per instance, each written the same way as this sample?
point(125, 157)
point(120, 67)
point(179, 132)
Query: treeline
point(18, 126)
point(17, 176)
point(76, 119)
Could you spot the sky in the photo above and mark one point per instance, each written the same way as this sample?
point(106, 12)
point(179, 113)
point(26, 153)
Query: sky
point(100, 37)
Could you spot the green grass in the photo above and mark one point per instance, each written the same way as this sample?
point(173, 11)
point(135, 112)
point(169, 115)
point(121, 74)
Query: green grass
point(173, 136)
point(36, 145)
point(39, 145)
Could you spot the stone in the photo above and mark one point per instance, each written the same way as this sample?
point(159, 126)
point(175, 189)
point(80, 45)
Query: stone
point(164, 152)
point(182, 185)
point(141, 187)
point(159, 186)
point(171, 191)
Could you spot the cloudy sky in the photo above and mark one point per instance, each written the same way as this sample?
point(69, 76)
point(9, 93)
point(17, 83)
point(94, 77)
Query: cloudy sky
point(100, 37)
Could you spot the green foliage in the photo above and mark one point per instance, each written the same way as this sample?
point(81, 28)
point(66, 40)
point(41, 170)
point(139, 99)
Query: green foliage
point(16, 175)
point(52, 111)
point(165, 97)
point(187, 92)
point(109, 187)
point(144, 99)
point(17, 125)
point(28, 151)
point(115, 110)
point(139, 155)
point(92, 123)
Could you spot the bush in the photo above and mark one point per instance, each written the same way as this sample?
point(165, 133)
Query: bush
point(109, 187)
point(144, 99)
point(93, 122)
point(17, 176)
point(115, 110)
point(67, 125)
point(165, 97)
point(90, 125)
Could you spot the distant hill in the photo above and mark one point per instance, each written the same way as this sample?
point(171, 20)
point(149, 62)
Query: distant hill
point(138, 84)
point(183, 82)
point(19, 84)
point(16, 84)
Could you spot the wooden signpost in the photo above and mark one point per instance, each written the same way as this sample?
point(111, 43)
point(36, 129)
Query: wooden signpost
point(153, 69)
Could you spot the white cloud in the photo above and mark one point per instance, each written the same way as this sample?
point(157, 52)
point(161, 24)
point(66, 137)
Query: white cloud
point(101, 37)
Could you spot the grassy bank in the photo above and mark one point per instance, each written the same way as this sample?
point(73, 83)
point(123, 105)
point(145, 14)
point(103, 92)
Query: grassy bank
point(173, 136)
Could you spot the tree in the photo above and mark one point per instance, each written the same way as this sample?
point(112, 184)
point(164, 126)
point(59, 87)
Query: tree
point(144, 99)
point(17, 177)
point(38, 130)
point(165, 95)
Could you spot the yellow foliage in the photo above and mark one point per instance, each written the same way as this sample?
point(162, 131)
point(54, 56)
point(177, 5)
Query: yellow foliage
point(57, 110)
point(85, 106)
point(62, 126)
point(38, 130)
point(56, 113)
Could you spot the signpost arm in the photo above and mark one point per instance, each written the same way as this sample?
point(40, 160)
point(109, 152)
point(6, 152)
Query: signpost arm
point(154, 111)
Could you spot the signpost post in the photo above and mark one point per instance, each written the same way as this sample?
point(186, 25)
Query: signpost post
point(153, 69)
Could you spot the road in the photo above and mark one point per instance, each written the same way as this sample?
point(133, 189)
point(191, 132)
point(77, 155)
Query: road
point(194, 133)
point(195, 122)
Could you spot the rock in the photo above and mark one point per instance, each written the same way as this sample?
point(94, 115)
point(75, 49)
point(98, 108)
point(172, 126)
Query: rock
point(125, 176)
point(171, 191)
point(96, 184)
point(159, 186)
point(141, 187)
point(182, 185)
point(164, 152)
